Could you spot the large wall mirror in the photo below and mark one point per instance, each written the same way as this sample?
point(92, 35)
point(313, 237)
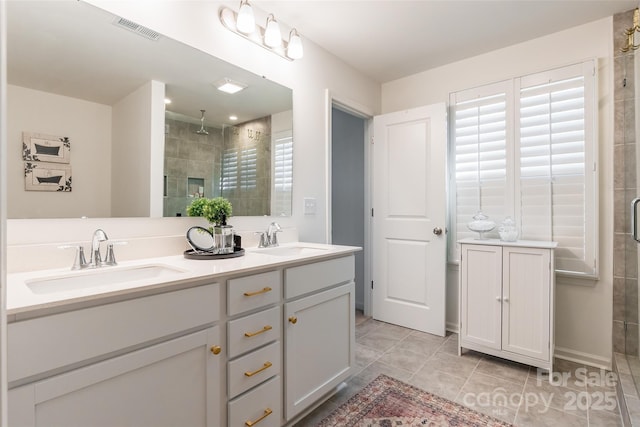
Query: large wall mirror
point(87, 113)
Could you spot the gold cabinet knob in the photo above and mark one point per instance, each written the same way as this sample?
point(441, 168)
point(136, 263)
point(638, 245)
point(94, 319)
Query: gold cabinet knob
point(216, 349)
point(293, 319)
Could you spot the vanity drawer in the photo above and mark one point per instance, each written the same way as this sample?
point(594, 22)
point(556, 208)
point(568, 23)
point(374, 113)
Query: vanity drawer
point(262, 402)
point(319, 275)
point(46, 343)
point(253, 331)
point(251, 292)
point(254, 368)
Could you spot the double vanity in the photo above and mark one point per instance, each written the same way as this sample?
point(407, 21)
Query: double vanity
point(258, 340)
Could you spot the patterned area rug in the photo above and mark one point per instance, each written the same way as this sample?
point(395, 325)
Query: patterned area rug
point(387, 402)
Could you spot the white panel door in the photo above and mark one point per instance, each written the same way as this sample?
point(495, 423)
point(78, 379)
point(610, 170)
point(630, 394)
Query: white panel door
point(525, 306)
point(409, 200)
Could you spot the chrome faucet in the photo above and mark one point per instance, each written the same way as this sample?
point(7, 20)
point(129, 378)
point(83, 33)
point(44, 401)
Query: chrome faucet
point(96, 259)
point(269, 238)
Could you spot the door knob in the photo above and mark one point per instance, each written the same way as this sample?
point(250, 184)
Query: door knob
point(437, 231)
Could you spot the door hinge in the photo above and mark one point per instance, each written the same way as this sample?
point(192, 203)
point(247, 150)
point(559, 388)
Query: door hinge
point(372, 140)
point(625, 325)
point(371, 211)
point(372, 284)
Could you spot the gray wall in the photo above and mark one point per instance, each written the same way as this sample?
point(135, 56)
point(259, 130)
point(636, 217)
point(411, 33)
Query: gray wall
point(347, 188)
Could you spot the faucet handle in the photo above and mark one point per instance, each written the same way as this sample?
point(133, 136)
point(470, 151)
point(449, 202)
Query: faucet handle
point(264, 239)
point(110, 258)
point(79, 262)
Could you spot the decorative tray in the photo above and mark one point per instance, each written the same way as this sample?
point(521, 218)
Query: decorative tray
point(193, 254)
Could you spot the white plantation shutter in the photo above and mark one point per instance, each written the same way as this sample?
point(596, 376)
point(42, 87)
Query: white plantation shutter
point(546, 176)
point(554, 135)
point(480, 152)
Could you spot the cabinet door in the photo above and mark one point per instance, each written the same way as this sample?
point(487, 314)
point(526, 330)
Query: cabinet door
point(175, 383)
point(319, 345)
point(525, 309)
point(480, 295)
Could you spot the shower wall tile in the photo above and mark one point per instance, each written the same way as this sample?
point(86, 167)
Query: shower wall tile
point(619, 255)
point(619, 213)
point(631, 258)
point(619, 298)
point(629, 121)
point(631, 300)
point(619, 172)
point(630, 165)
point(632, 339)
point(618, 126)
point(618, 336)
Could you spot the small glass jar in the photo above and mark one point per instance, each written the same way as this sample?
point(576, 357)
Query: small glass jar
point(508, 231)
point(481, 224)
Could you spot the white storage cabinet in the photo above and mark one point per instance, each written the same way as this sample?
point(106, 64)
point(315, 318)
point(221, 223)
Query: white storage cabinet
point(506, 299)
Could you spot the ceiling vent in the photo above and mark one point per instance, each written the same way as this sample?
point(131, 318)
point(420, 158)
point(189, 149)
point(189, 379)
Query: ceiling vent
point(137, 28)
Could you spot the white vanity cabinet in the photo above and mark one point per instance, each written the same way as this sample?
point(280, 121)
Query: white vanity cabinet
point(319, 331)
point(153, 360)
point(507, 299)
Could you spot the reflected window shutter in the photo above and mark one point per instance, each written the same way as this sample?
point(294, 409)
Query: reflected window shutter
point(282, 175)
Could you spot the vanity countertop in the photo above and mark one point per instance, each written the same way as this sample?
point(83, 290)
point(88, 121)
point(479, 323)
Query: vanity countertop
point(23, 302)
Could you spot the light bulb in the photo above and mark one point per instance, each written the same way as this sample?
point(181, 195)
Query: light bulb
point(294, 48)
point(246, 21)
point(272, 36)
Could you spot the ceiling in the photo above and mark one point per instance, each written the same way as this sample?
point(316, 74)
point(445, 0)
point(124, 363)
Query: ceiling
point(387, 39)
point(74, 49)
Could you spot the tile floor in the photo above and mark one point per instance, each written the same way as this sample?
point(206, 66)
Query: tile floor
point(506, 390)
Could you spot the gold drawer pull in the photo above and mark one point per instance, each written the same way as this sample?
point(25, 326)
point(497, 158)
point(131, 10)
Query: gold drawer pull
point(266, 365)
point(293, 319)
point(216, 349)
point(261, 291)
point(253, 334)
point(267, 412)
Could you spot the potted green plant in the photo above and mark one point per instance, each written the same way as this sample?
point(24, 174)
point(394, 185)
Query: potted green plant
point(215, 211)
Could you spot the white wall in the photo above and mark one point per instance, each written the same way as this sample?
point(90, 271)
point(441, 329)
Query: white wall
point(583, 310)
point(196, 24)
point(136, 129)
point(88, 126)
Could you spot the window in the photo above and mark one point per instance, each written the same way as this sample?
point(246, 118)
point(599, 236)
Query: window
point(525, 148)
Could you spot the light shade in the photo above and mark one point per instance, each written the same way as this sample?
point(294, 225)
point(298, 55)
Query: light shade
point(272, 35)
point(246, 21)
point(229, 86)
point(294, 48)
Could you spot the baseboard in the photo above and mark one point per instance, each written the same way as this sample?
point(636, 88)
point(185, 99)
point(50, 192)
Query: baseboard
point(583, 358)
point(452, 327)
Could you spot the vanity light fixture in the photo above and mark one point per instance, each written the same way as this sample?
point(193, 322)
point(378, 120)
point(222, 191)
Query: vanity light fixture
point(269, 37)
point(272, 35)
point(294, 48)
point(233, 118)
point(229, 86)
point(246, 21)
point(631, 33)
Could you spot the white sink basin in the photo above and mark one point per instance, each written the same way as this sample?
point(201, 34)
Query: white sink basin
point(86, 279)
point(291, 250)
